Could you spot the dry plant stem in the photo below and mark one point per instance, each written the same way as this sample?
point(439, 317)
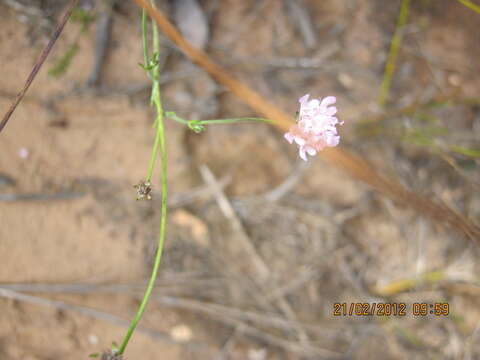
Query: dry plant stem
point(393, 53)
point(470, 5)
point(225, 316)
point(261, 272)
point(40, 197)
point(259, 266)
point(38, 63)
point(159, 145)
point(350, 163)
point(289, 183)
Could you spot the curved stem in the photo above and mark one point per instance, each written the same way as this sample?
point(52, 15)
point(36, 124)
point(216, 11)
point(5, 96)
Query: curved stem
point(158, 145)
point(172, 115)
point(230, 121)
point(161, 240)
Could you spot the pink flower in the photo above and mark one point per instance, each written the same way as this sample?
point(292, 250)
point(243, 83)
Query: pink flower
point(316, 126)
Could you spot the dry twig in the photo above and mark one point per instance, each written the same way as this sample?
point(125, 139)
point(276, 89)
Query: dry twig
point(38, 63)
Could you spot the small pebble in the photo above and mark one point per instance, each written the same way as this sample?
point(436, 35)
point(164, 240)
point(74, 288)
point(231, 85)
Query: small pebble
point(181, 333)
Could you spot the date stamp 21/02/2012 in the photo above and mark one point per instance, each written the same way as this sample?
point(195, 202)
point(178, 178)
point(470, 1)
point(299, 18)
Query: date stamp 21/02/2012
point(391, 309)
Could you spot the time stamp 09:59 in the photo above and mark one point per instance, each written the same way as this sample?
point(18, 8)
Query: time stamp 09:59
point(391, 309)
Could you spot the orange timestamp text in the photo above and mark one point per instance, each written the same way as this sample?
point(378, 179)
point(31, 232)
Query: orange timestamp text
point(390, 309)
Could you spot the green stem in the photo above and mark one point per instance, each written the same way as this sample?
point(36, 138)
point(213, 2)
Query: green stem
point(155, 95)
point(173, 116)
point(153, 157)
point(230, 121)
point(393, 53)
point(470, 5)
point(144, 37)
point(159, 143)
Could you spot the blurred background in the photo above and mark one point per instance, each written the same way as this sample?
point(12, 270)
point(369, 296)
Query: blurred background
point(260, 246)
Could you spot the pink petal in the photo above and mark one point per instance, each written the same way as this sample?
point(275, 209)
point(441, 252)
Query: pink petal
point(304, 99)
point(329, 100)
point(302, 154)
point(289, 137)
point(315, 103)
point(311, 151)
point(299, 141)
point(333, 140)
point(332, 110)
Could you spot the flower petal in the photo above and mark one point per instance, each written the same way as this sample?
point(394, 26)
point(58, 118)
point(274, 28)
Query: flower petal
point(304, 99)
point(332, 110)
point(314, 104)
point(289, 137)
point(310, 151)
point(332, 140)
point(302, 154)
point(299, 141)
point(329, 100)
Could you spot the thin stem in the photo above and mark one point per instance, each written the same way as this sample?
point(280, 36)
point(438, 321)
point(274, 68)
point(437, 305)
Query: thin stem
point(161, 242)
point(153, 157)
point(393, 53)
point(470, 5)
point(173, 116)
point(38, 63)
point(159, 143)
point(144, 37)
point(230, 121)
point(155, 97)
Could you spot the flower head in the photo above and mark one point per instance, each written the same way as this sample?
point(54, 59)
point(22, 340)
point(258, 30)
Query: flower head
point(316, 126)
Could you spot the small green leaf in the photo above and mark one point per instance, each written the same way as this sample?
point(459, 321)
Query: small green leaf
point(151, 62)
point(94, 355)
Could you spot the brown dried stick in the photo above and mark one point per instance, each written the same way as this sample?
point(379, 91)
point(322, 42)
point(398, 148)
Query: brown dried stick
point(38, 63)
point(350, 163)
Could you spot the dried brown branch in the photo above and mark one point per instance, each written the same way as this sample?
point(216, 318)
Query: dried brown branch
point(38, 63)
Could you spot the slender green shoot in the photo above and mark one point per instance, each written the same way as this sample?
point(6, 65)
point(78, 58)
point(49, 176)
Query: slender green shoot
point(393, 53)
point(144, 37)
point(199, 125)
point(159, 145)
point(470, 5)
